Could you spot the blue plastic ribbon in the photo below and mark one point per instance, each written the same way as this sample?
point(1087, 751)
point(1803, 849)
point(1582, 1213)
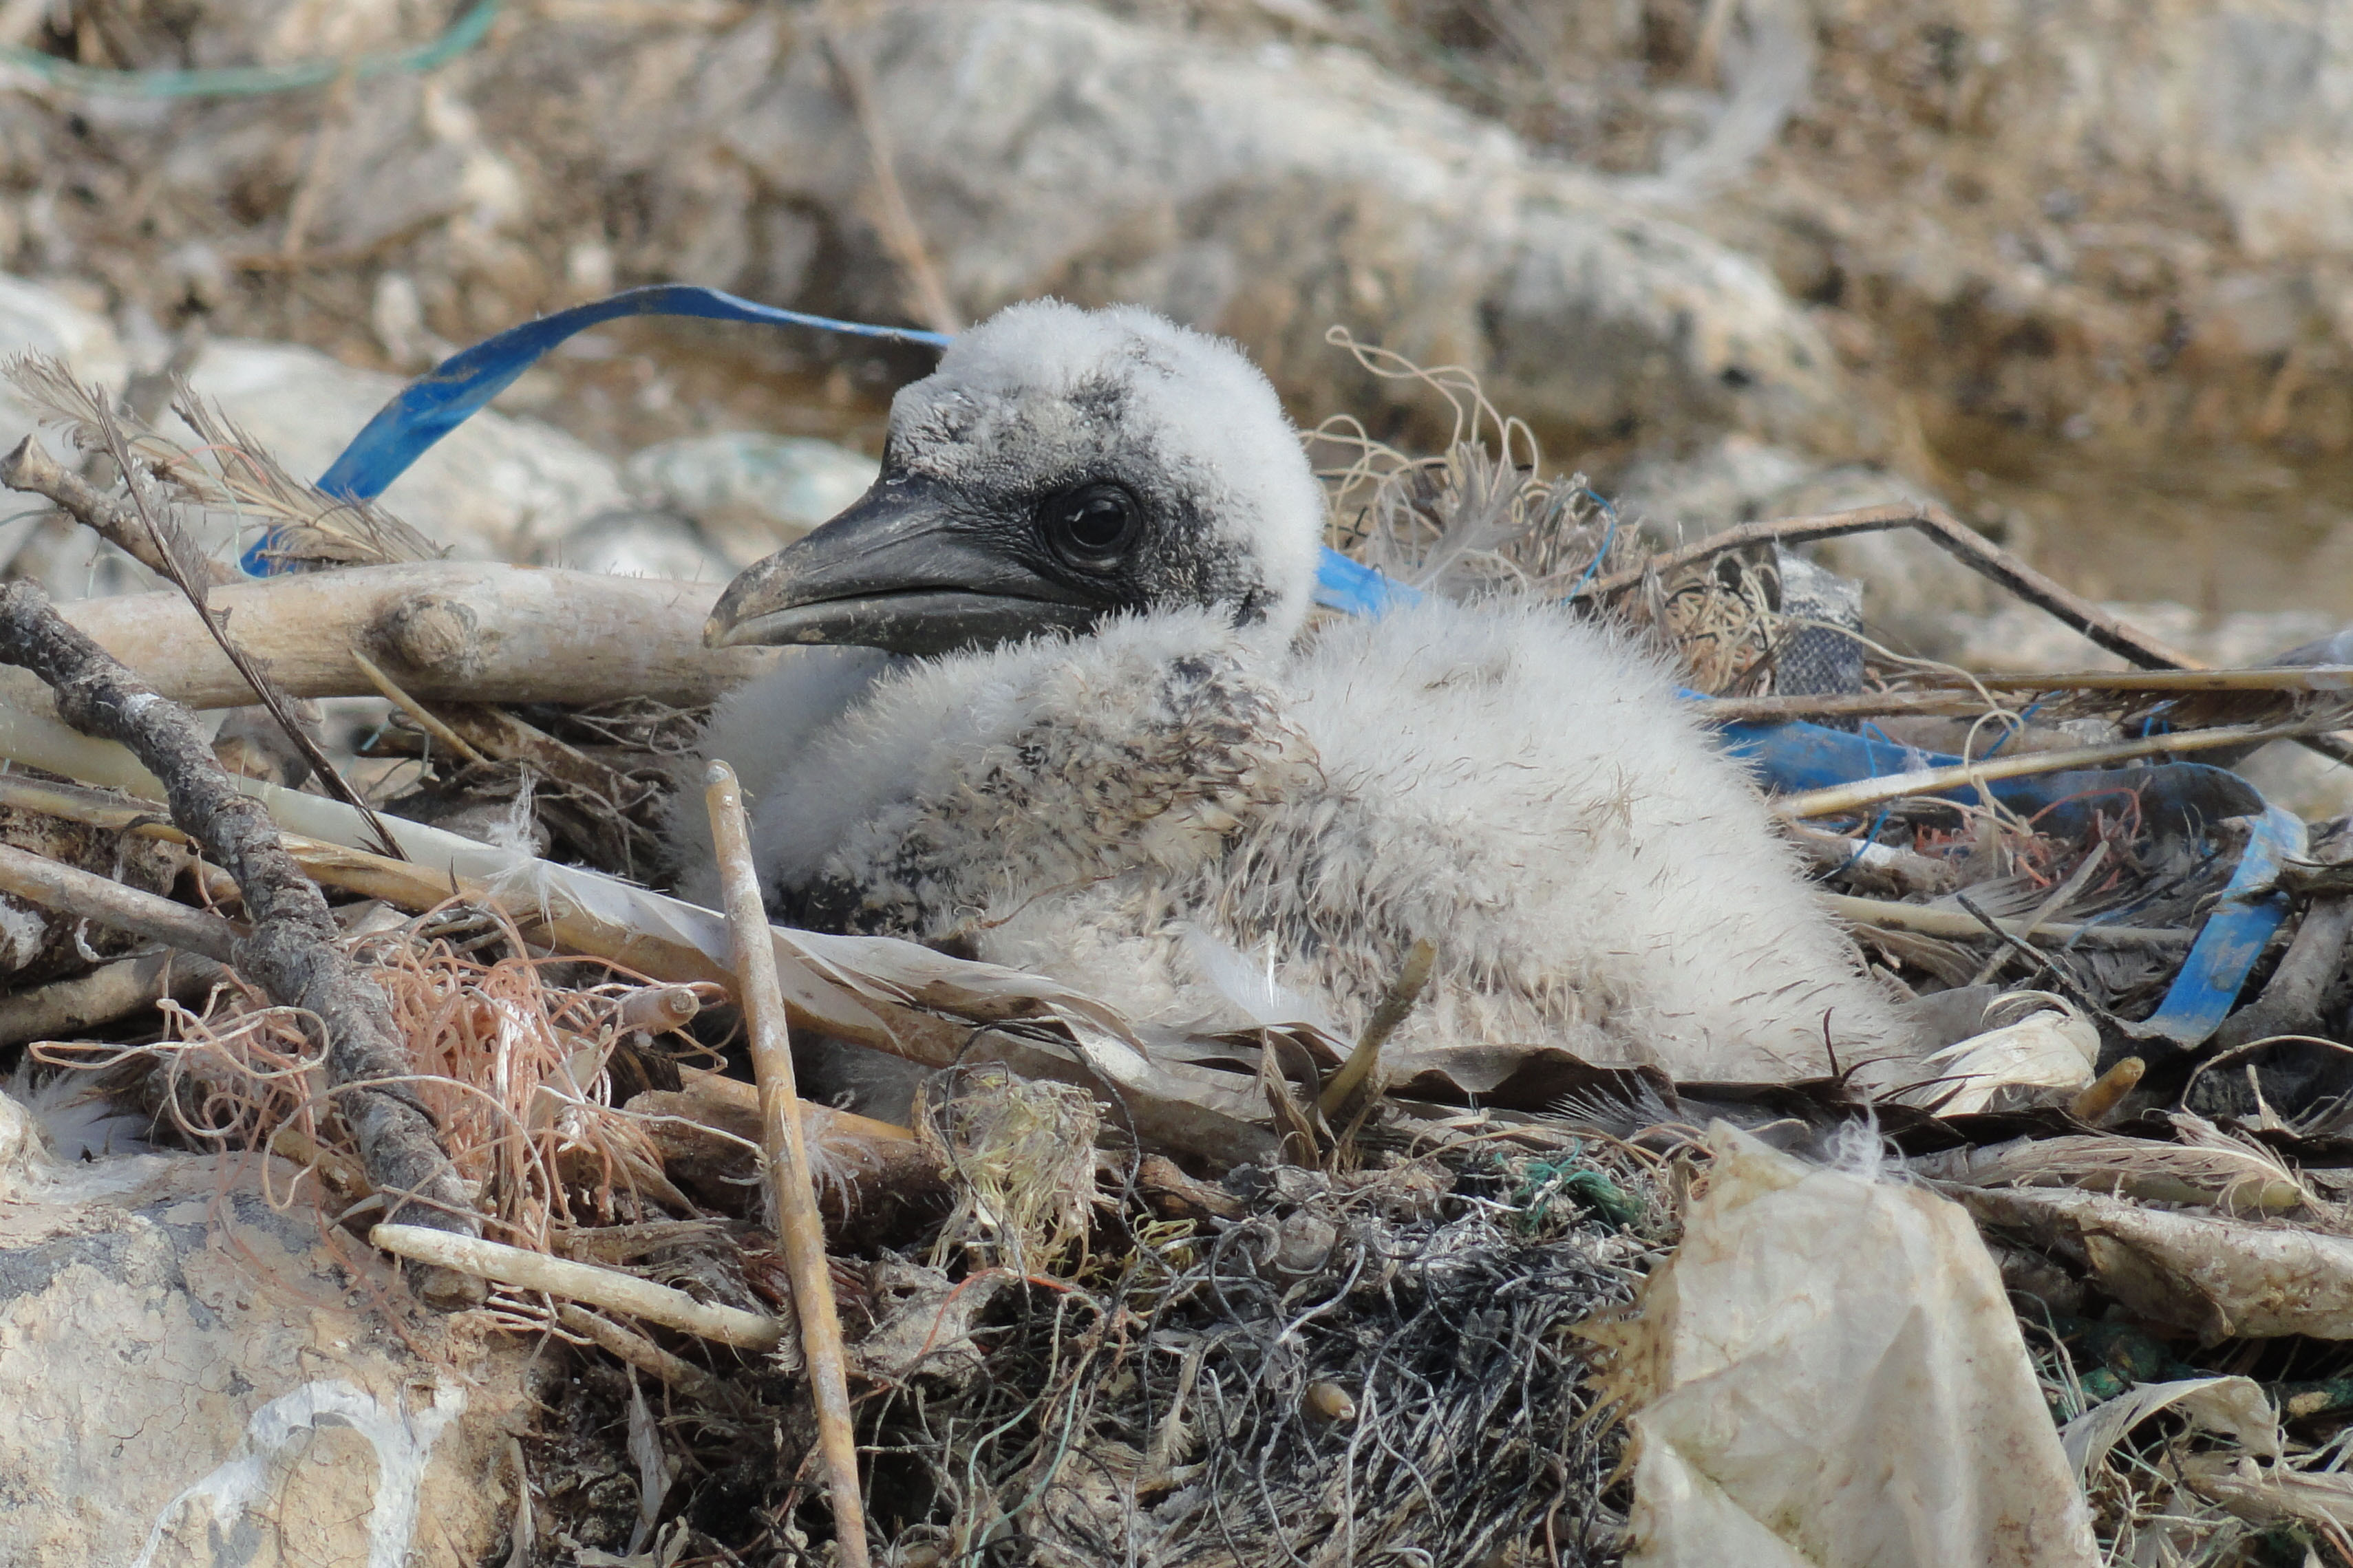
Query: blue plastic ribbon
point(2233, 937)
point(1342, 583)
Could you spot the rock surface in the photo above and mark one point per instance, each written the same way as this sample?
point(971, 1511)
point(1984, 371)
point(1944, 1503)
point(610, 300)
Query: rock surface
point(199, 1380)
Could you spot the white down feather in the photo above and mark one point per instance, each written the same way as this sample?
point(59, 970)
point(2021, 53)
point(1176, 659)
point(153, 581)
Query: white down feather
point(1518, 786)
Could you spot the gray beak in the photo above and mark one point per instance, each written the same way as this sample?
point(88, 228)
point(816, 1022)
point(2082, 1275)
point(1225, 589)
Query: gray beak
point(912, 567)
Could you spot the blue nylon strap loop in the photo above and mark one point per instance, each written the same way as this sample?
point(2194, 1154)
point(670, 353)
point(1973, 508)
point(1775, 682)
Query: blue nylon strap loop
point(441, 400)
point(449, 394)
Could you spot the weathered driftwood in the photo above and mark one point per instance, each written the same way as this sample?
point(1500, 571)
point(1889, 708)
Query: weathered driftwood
point(65, 1008)
point(605, 1288)
point(291, 950)
point(800, 1230)
point(70, 891)
point(446, 631)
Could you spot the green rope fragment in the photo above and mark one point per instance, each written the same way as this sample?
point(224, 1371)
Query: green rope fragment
point(2128, 1355)
point(1542, 1181)
point(253, 82)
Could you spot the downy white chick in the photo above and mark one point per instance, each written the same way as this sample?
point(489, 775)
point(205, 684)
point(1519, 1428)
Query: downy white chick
point(1110, 750)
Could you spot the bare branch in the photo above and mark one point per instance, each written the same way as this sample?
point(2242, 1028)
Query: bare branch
point(291, 950)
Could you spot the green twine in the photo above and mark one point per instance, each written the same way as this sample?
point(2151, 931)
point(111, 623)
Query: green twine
point(1542, 1181)
point(252, 82)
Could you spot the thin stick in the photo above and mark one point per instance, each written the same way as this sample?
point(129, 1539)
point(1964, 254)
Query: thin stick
point(894, 219)
point(2061, 897)
point(1955, 538)
point(1974, 551)
point(1928, 922)
point(2282, 678)
point(1834, 705)
point(641, 1352)
point(1948, 696)
point(1864, 793)
point(415, 709)
point(1387, 1014)
point(64, 1008)
point(30, 469)
point(70, 891)
point(800, 1226)
point(605, 1288)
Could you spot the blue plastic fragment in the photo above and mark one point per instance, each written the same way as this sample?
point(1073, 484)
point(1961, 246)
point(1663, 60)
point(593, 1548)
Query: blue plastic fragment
point(445, 397)
point(1342, 583)
point(2175, 797)
point(2211, 977)
point(438, 401)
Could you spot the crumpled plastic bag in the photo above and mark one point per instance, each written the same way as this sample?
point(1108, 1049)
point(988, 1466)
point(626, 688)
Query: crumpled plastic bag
point(1828, 1374)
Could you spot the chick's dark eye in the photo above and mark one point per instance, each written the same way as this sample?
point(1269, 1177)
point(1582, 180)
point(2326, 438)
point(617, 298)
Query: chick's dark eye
point(1092, 526)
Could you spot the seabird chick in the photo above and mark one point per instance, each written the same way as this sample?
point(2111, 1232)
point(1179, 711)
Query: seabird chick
point(1086, 729)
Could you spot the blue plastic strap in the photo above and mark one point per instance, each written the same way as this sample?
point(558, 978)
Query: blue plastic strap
point(443, 398)
point(2207, 986)
point(1342, 583)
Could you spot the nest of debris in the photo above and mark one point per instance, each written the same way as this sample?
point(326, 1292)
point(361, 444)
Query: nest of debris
point(1184, 1316)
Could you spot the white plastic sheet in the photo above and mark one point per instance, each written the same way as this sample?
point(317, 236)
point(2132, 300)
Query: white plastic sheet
point(1826, 1375)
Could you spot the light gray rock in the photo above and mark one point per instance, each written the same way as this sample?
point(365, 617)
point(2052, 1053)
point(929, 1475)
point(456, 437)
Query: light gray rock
point(196, 1378)
point(1269, 193)
point(631, 544)
point(750, 493)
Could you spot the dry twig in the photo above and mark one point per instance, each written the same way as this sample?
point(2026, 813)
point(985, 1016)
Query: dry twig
point(799, 1227)
point(894, 220)
point(1847, 797)
point(291, 951)
point(606, 1288)
point(65, 1008)
point(71, 890)
point(1928, 922)
point(30, 469)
